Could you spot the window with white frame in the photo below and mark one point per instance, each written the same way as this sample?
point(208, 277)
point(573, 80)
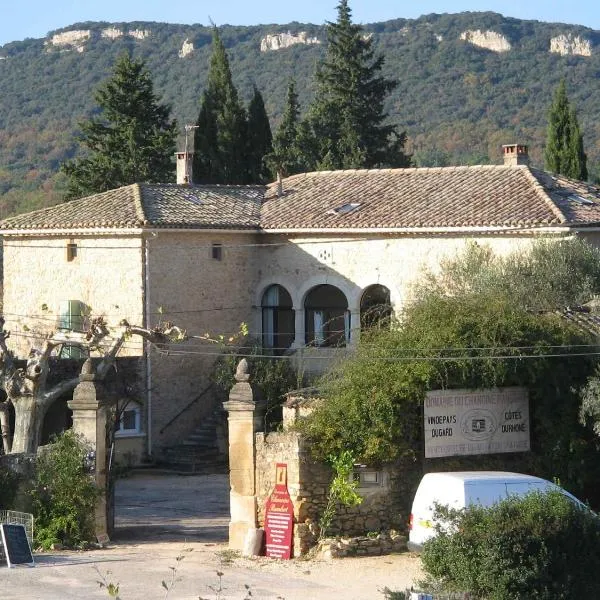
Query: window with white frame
point(129, 419)
point(278, 319)
point(327, 318)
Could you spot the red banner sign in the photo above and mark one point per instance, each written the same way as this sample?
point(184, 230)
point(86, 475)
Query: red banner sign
point(279, 517)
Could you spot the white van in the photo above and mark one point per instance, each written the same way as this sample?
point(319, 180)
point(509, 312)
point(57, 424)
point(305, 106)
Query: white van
point(460, 489)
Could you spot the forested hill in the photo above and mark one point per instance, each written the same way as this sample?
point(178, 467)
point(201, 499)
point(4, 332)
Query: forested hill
point(466, 84)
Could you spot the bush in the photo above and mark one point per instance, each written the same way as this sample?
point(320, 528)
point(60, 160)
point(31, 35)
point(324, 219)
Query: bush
point(539, 546)
point(64, 493)
point(9, 482)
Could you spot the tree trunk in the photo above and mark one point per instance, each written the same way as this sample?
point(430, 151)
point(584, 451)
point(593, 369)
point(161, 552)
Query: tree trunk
point(29, 418)
point(5, 427)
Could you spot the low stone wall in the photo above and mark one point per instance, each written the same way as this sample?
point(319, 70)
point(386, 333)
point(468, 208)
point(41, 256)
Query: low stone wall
point(366, 545)
point(385, 506)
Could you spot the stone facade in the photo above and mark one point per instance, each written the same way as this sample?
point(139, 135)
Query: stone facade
point(172, 275)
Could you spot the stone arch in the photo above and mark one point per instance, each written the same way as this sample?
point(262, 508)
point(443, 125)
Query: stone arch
point(277, 319)
point(327, 319)
point(375, 307)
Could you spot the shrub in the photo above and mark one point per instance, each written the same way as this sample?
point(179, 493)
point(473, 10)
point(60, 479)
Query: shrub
point(64, 493)
point(9, 482)
point(540, 546)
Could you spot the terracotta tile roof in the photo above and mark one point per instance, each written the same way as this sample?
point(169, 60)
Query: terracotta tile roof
point(151, 205)
point(445, 197)
point(398, 198)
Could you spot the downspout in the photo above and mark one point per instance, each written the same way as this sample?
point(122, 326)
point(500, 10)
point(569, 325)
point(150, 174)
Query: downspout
point(147, 351)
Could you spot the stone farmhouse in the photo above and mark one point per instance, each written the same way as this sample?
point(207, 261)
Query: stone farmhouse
point(303, 261)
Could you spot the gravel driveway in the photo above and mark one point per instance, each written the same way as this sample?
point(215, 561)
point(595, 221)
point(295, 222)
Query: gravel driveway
point(161, 517)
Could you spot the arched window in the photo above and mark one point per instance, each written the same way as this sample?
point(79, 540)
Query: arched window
point(375, 307)
point(327, 320)
point(278, 320)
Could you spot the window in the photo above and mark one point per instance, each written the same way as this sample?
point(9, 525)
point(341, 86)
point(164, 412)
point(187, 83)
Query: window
point(217, 251)
point(367, 477)
point(375, 307)
point(327, 318)
point(71, 251)
point(278, 319)
point(72, 317)
point(129, 419)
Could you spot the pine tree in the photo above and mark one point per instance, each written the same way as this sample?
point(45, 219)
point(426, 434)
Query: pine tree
point(220, 140)
point(347, 118)
point(259, 141)
point(131, 141)
point(288, 154)
point(564, 153)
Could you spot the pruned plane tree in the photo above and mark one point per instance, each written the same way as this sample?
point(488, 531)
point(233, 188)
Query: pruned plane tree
point(27, 389)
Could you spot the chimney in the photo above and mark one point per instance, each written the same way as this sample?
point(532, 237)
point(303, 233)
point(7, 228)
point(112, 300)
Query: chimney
point(515, 154)
point(279, 184)
point(184, 167)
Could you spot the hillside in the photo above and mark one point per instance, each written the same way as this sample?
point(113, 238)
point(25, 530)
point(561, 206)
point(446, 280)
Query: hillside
point(467, 83)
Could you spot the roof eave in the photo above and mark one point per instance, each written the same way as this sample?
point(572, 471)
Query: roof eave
point(524, 229)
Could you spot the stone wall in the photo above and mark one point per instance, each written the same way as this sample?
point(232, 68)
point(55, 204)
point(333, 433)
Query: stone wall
point(383, 513)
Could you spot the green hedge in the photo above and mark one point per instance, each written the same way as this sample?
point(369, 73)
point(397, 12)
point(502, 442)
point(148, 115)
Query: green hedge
point(541, 546)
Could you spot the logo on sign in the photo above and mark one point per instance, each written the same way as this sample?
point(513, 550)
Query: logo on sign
point(478, 424)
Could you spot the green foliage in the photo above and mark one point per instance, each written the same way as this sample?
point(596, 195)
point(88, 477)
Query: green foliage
point(342, 489)
point(272, 377)
point(259, 140)
point(541, 546)
point(347, 117)
point(287, 155)
point(64, 494)
point(9, 481)
point(551, 275)
point(132, 141)
point(564, 152)
point(220, 140)
point(469, 329)
point(451, 96)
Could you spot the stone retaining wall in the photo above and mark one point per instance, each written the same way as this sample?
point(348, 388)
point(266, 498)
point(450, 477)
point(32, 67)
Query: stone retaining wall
point(385, 506)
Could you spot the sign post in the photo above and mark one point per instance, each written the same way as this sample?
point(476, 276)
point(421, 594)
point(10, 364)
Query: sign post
point(279, 517)
point(16, 545)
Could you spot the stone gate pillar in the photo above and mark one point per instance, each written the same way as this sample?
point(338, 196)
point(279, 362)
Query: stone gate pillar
point(245, 419)
point(90, 406)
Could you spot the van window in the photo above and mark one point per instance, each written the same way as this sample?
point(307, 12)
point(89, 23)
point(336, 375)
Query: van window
point(485, 493)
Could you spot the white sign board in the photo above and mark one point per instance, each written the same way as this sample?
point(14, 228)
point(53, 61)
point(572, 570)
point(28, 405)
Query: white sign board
point(459, 422)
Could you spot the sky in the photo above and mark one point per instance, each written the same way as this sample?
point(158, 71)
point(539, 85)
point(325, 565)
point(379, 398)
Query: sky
point(35, 18)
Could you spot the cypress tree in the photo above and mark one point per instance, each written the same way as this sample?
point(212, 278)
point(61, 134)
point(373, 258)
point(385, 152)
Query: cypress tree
point(131, 141)
point(564, 153)
point(347, 118)
point(260, 139)
point(219, 141)
point(288, 155)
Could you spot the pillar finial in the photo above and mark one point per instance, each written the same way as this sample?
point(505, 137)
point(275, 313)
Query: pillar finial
point(242, 373)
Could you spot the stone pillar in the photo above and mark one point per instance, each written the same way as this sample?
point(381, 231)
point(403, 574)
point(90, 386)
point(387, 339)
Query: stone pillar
point(245, 419)
point(90, 406)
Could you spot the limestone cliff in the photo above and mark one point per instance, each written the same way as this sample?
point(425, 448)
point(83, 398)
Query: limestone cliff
point(570, 44)
point(486, 39)
point(71, 40)
point(111, 33)
point(186, 48)
point(277, 41)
